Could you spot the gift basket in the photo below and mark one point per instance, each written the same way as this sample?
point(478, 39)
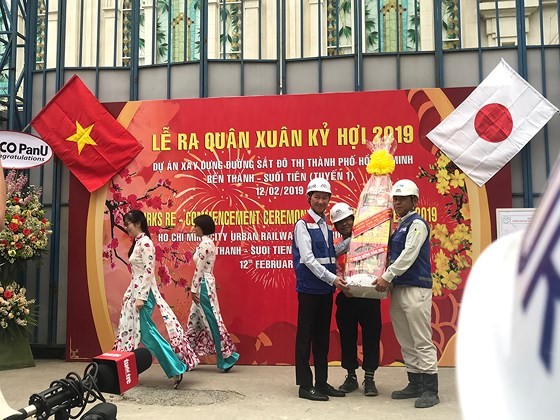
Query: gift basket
point(367, 254)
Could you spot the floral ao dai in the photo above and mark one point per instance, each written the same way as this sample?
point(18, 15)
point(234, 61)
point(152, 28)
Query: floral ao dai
point(142, 265)
point(198, 331)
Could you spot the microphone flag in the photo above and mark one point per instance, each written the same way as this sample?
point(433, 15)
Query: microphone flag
point(124, 364)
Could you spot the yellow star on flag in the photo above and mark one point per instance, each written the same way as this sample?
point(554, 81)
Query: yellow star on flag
point(82, 136)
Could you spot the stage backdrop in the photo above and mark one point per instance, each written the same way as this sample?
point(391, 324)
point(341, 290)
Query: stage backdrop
point(246, 161)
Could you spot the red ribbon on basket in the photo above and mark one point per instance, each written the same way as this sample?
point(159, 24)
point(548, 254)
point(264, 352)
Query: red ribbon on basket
point(371, 222)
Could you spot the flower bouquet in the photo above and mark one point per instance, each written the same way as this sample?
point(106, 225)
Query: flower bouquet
point(367, 254)
point(24, 238)
point(16, 316)
point(25, 235)
point(15, 310)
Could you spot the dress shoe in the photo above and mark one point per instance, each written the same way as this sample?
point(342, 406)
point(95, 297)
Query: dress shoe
point(312, 394)
point(330, 390)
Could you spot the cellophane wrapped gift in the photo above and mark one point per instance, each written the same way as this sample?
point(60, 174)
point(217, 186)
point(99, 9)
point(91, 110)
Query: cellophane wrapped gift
point(367, 255)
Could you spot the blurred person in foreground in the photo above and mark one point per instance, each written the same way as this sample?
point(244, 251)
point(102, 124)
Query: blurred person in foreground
point(508, 345)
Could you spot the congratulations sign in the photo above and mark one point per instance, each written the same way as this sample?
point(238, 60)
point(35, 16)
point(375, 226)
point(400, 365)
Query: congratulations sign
point(246, 162)
point(23, 151)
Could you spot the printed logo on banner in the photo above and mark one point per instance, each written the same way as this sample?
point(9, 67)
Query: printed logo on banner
point(23, 151)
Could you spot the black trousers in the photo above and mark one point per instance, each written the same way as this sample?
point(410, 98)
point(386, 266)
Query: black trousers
point(313, 333)
point(351, 312)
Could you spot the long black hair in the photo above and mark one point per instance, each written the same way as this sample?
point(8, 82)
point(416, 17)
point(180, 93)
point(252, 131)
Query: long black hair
point(137, 216)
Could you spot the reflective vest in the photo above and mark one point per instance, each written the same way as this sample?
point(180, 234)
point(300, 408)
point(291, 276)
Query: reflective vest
point(420, 272)
point(306, 281)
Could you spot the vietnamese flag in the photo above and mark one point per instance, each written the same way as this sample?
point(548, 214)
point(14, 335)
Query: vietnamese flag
point(84, 135)
point(493, 124)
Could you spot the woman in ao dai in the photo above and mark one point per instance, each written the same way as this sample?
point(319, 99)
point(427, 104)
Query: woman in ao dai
point(205, 329)
point(142, 295)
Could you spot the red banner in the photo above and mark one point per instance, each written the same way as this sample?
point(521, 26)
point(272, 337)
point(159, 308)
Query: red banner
point(246, 162)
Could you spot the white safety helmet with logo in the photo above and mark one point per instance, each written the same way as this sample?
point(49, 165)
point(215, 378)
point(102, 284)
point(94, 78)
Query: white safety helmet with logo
point(404, 188)
point(341, 211)
point(319, 185)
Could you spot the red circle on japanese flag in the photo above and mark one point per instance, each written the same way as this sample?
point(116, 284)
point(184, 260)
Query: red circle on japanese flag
point(493, 123)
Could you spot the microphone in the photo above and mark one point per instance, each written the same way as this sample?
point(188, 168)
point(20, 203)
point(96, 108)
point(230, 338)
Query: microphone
point(102, 411)
point(103, 375)
point(118, 371)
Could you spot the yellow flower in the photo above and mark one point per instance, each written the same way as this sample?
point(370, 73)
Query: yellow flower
point(457, 179)
point(443, 187)
point(442, 160)
point(442, 184)
point(441, 260)
point(12, 252)
point(460, 234)
point(462, 261)
point(381, 162)
point(446, 243)
point(455, 239)
point(436, 288)
point(450, 279)
point(439, 231)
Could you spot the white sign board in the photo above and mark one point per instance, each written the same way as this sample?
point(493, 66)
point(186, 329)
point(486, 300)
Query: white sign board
point(513, 220)
point(23, 151)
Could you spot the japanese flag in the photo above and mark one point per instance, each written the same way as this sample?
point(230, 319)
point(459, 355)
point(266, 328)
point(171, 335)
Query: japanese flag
point(493, 124)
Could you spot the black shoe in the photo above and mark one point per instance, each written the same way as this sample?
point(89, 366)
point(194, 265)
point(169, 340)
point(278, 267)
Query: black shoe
point(330, 390)
point(370, 390)
point(350, 384)
point(312, 394)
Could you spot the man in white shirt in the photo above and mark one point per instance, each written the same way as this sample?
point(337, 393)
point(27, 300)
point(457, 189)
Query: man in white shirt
point(314, 255)
point(409, 275)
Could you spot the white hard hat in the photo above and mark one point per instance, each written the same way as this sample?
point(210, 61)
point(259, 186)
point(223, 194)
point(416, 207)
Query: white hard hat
point(341, 211)
point(404, 188)
point(319, 185)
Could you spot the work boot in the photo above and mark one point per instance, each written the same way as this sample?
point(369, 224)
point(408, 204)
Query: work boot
point(414, 388)
point(429, 397)
point(350, 384)
point(370, 390)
